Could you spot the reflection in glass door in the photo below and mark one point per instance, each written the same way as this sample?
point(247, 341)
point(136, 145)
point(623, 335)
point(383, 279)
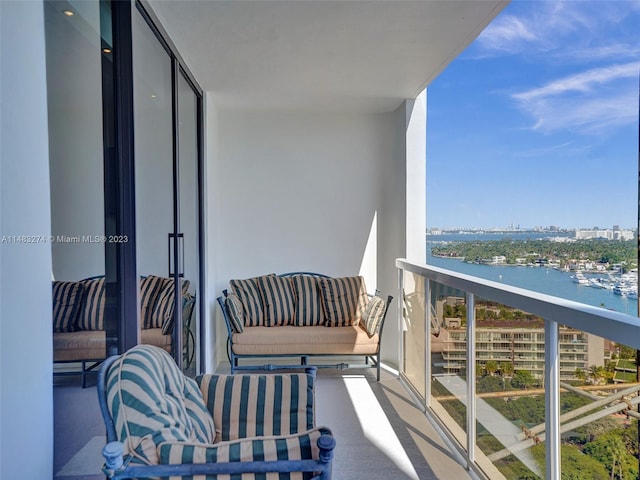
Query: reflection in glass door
point(166, 110)
point(188, 191)
point(154, 182)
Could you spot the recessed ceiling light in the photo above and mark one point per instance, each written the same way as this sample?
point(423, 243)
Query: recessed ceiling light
point(106, 50)
point(153, 96)
point(68, 13)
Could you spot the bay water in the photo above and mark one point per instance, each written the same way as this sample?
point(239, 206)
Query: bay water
point(539, 279)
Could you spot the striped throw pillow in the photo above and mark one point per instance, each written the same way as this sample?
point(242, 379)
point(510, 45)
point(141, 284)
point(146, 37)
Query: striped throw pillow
point(271, 404)
point(344, 300)
point(308, 302)
point(150, 289)
point(164, 309)
point(235, 312)
point(373, 315)
point(302, 446)
point(92, 314)
point(67, 302)
point(248, 292)
point(278, 301)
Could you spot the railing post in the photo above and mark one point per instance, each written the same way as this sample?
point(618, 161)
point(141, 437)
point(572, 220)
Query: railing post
point(471, 381)
point(552, 398)
point(427, 343)
point(400, 306)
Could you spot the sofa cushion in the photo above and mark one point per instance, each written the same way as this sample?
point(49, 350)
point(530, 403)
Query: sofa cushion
point(248, 292)
point(67, 303)
point(314, 340)
point(150, 289)
point(92, 314)
point(344, 300)
point(152, 402)
point(290, 410)
point(308, 302)
point(235, 312)
point(373, 315)
point(278, 301)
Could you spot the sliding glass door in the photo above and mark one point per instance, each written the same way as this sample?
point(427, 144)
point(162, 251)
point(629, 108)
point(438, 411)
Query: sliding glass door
point(125, 155)
point(166, 173)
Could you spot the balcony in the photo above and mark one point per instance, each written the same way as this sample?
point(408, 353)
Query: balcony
point(439, 416)
point(530, 415)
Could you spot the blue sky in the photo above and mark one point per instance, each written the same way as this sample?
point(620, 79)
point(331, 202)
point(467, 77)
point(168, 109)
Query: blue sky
point(536, 122)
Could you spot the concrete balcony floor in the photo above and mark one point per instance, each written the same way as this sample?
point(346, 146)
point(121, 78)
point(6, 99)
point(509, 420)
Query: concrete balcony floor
point(380, 433)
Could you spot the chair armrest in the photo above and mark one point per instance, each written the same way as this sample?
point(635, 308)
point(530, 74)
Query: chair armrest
point(310, 451)
point(258, 405)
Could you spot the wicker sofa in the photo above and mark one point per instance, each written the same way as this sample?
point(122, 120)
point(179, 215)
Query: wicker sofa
point(302, 315)
point(78, 319)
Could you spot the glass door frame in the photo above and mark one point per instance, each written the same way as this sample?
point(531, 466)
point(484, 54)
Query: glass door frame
point(120, 189)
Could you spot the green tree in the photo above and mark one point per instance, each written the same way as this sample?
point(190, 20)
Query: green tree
point(506, 369)
point(523, 379)
point(580, 374)
point(491, 367)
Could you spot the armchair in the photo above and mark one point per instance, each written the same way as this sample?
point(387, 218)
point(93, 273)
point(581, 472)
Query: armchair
point(161, 423)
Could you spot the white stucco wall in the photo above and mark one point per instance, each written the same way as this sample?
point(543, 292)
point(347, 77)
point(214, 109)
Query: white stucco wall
point(26, 395)
point(298, 191)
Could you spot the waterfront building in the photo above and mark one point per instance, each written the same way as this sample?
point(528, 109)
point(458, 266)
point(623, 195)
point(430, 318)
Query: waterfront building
point(608, 234)
point(519, 342)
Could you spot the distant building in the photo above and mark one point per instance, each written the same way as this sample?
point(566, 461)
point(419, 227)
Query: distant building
point(608, 234)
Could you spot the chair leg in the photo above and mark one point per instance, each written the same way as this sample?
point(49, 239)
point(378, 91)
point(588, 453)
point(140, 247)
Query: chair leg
point(84, 375)
point(378, 368)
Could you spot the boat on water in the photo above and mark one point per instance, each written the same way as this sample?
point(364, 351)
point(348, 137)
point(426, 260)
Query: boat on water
point(580, 278)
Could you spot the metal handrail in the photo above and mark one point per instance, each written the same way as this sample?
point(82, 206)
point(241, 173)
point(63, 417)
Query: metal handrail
point(617, 326)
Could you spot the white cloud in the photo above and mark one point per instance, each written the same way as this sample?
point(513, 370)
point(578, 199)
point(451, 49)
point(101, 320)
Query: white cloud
point(560, 29)
point(507, 34)
point(592, 101)
point(581, 82)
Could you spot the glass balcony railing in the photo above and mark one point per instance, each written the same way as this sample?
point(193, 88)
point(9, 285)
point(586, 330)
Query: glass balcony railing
point(551, 390)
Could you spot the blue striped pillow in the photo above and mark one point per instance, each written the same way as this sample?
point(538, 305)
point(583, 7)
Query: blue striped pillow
point(150, 289)
point(235, 312)
point(248, 292)
point(164, 309)
point(308, 302)
point(274, 404)
point(373, 315)
point(67, 302)
point(92, 314)
point(344, 300)
point(277, 300)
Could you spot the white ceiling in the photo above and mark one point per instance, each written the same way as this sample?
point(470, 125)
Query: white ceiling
point(320, 54)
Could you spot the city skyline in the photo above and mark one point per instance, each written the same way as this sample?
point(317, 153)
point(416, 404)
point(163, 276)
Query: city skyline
point(536, 122)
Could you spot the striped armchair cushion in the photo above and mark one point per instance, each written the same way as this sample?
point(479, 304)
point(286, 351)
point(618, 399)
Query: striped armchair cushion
point(67, 302)
point(373, 315)
point(344, 300)
point(235, 312)
point(258, 405)
point(308, 302)
point(278, 301)
point(92, 314)
point(152, 402)
point(150, 289)
point(303, 446)
point(248, 292)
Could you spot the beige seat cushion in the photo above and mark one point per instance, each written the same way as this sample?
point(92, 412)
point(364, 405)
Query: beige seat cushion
point(91, 344)
point(81, 345)
point(313, 340)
